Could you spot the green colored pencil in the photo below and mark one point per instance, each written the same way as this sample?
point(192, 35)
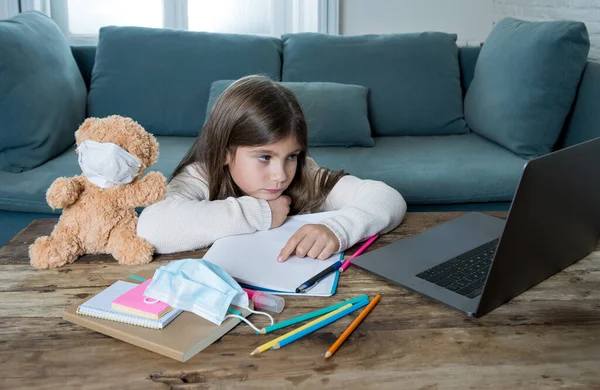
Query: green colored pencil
point(308, 316)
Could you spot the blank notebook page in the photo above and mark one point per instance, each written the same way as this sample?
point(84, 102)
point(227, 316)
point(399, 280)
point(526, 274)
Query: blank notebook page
point(252, 258)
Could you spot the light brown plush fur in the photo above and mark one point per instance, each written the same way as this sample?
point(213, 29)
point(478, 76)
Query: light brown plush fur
point(98, 220)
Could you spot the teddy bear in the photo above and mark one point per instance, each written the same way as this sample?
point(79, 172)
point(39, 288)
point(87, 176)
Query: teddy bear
point(99, 213)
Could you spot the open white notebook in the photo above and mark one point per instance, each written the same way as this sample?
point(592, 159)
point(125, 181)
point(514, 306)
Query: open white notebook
point(252, 260)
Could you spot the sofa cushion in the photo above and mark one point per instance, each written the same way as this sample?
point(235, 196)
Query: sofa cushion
point(336, 114)
point(413, 79)
point(437, 169)
point(525, 81)
point(42, 93)
point(161, 77)
point(26, 191)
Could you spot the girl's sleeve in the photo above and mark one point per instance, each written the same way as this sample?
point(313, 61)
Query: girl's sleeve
point(362, 208)
point(185, 220)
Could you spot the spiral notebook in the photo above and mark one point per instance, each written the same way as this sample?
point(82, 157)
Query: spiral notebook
point(100, 306)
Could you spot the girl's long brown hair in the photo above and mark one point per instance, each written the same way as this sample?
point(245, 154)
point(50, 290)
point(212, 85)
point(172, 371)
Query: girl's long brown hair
point(256, 111)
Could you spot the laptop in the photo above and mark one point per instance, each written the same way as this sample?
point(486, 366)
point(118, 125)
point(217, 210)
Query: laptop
point(478, 262)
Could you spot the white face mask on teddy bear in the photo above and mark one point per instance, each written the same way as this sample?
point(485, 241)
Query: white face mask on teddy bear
point(106, 164)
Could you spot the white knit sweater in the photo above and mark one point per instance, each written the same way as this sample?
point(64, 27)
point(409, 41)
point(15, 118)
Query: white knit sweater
point(186, 220)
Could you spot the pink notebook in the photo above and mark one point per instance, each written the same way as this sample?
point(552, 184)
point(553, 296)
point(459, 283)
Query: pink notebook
point(134, 302)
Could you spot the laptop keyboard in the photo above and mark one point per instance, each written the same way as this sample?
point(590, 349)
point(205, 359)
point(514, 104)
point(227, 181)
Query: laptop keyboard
point(465, 274)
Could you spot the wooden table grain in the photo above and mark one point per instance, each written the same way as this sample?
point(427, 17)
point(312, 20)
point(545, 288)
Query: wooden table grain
point(548, 337)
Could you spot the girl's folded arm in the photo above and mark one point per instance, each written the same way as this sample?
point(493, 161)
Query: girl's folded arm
point(364, 208)
point(185, 220)
point(177, 224)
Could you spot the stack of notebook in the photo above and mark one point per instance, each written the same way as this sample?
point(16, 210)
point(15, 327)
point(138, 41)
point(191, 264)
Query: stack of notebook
point(185, 336)
point(116, 304)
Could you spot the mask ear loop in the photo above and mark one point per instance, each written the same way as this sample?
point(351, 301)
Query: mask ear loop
point(263, 314)
point(248, 322)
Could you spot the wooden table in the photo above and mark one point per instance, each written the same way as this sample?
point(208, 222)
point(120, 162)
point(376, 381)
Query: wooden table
point(549, 337)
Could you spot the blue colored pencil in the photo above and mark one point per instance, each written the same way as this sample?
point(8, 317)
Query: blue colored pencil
point(313, 314)
point(320, 325)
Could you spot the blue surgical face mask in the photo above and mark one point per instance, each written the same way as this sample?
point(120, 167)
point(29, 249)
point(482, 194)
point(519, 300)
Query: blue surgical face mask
point(201, 287)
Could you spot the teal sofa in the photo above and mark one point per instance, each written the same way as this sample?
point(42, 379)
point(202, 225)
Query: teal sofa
point(453, 170)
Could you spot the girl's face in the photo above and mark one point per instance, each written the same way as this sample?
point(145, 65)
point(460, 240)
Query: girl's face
point(264, 172)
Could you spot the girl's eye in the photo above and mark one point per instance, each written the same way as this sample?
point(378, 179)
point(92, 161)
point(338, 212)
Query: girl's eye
point(293, 157)
point(264, 158)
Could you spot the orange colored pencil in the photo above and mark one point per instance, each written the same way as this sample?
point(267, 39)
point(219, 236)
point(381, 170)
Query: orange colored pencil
point(352, 326)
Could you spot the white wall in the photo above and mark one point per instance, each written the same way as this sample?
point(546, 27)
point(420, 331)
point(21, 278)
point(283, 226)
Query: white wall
point(8, 8)
point(587, 11)
point(472, 20)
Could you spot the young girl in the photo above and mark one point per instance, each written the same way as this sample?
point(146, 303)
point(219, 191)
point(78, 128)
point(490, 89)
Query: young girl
point(248, 170)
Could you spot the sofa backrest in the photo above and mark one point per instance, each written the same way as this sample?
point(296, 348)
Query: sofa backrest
point(86, 54)
point(582, 124)
point(467, 58)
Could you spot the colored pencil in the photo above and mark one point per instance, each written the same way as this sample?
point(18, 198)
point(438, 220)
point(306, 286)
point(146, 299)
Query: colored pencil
point(319, 325)
point(352, 326)
point(310, 315)
point(358, 252)
point(265, 346)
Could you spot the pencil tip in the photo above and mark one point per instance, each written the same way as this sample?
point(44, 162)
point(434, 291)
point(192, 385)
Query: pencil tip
point(262, 331)
point(341, 270)
point(254, 352)
point(327, 355)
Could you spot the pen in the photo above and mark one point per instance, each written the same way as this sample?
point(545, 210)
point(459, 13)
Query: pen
point(315, 279)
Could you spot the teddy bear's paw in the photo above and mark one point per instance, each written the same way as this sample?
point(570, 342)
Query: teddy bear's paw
point(155, 186)
point(62, 193)
point(138, 251)
point(38, 253)
point(46, 252)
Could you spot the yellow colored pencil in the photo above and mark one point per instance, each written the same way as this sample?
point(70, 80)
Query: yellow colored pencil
point(352, 326)
point(271, 343)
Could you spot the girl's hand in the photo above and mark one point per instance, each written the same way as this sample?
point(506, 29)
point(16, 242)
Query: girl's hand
point(280, 208)
point(316, 241)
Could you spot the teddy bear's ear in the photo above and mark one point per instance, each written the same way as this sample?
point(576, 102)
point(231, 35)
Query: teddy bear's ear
point(80, 133)
point(153, 158)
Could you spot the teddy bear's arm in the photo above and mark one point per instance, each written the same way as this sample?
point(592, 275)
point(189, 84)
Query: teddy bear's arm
point(150, 189)
point(64, 191)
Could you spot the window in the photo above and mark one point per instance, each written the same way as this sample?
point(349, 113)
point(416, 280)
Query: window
point(231, 16)
point(80, 20)
point(86, 17)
